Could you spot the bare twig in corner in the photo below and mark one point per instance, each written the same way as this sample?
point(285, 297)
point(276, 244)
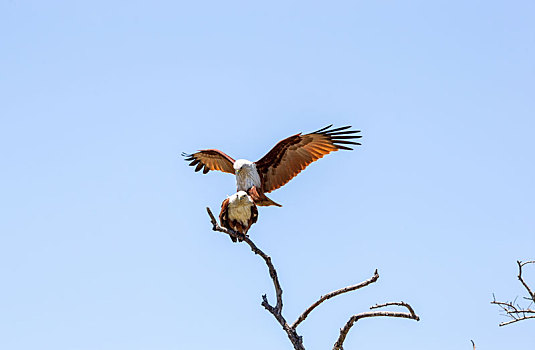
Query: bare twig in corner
point(339, 345)
point(276, 311)
point(516, 312)
point(473, 345)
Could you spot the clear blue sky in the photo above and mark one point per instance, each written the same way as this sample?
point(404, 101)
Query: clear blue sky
point(105, 243)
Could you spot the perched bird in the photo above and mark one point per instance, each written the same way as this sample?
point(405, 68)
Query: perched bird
point(238, 213)
point(287, 159)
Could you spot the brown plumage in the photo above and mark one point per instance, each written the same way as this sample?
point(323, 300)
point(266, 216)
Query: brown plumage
point(260, 198)
point(281, 164)
point(238, 213)
point(210, 159)
point(293, 154)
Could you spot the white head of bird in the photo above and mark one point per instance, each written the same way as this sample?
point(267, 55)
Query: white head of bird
point(243, 165)
point(246, 174)
point(240, 198)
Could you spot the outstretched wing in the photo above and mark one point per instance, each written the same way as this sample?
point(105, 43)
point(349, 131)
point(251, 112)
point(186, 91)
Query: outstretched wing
point(210, 159)
point(293, 154)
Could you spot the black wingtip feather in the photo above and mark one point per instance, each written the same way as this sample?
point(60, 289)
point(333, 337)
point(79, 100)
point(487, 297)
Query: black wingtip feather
point(338, 136)
point(346, 142)
point(329, 132)
point(187, 157)
point(346, 137)
point(322, 129)
point(344, 132)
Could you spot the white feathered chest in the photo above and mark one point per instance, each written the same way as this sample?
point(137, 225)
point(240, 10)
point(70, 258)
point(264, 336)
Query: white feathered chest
point(247, 177)
point(240, 212)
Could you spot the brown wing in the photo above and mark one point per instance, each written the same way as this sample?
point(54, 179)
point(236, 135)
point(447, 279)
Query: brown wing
point(293, 154)
point(210, 159)
point(223, 217)
point(254, 215)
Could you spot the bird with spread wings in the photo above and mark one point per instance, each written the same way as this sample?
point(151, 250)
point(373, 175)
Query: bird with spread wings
point(287, 159)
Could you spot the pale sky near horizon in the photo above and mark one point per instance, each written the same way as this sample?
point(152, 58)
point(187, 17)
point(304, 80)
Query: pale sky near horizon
point(104, 239)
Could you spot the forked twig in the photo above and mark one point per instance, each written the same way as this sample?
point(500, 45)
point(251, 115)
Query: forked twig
point(516, 312)
point(339, 345)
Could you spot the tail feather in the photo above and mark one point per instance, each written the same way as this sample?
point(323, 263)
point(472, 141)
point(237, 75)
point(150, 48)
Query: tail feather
point(260, 199)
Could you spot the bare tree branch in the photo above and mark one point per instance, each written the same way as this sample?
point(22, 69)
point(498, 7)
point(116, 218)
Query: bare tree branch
point(333, 294)
point(527, 311)
point(520, 265)
point(276, 311)
point(339, 345)
point(473, 345)
point(401, 303)
point(517, 312)
point(516, 320)
point(254, 248)
point(297, 341)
